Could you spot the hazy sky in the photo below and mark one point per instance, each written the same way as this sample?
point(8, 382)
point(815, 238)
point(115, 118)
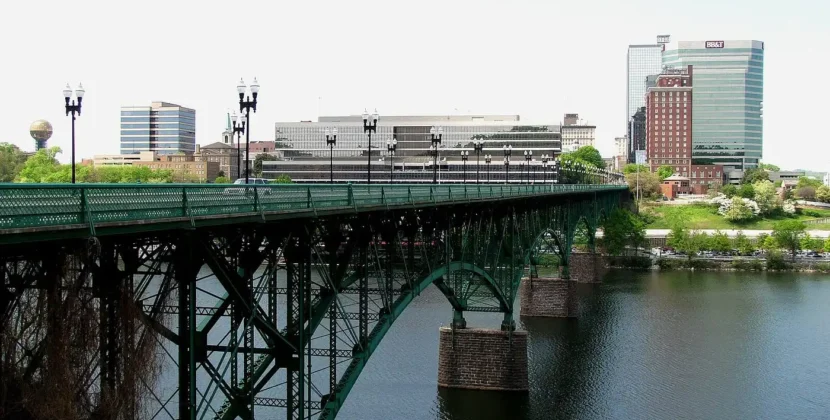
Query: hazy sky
point(538, 59)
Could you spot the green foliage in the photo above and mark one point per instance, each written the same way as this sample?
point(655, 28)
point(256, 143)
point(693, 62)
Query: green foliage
point(664, 172)
point(649, 184)
point(804, 181)
point(775, 261)
point(754, 175)
point(806, 193)
point(788, 235)
point(585, 154)
point(739, 211)
point(630, 262)
point(282, 179)
point(220, 174)
point(729, 190)
point(671, 263)
point(622, 228)
point(743, 244)
point(823, 194)
point(632, 168)
point(258, 162)
point(746, 191)
point(678, 236)
point(764, 194)
point(770, 244)
point(822, 267)
point(12, 160)
point(222, 180)
point(720, 242)
point(41, 167)
point(827, 245)
point(770, 167)
point(547, 260)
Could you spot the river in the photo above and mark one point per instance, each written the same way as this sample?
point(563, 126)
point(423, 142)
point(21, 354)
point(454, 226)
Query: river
point(670, 345)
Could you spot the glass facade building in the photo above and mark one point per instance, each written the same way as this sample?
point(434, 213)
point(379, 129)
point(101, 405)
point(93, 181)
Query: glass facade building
point(728, 93)
point(642, 61)
point(162, 127)
point(305, 144)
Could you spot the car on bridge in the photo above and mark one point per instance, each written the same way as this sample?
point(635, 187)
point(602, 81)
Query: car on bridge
point(251, 181)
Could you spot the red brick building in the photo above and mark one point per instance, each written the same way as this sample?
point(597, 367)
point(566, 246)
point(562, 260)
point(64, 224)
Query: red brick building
point(669, 129)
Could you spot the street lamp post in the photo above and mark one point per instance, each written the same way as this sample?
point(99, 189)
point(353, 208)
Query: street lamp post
point(437, 134)
point(488, 160)
point(545, 160)
point(246, 104)
point(73, 107)
point(508, 150)
point(331, 141)
point(464, 156)
point(528, 158)
point(390, 148)
point(478, 145)
point(370, 125)
point(239, 130)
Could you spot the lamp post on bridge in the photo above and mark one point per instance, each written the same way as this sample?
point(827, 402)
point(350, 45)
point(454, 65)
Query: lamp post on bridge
point(370, 125)
point(239, 130)
point(528, 157)
point(488, 160)
point(478, 146)
point(331, 141)
point(246, 104)
point(73, 107)
point(437, 134)
point(464, 156)
point(545, 160)
point(390, 148)
point(508, 150)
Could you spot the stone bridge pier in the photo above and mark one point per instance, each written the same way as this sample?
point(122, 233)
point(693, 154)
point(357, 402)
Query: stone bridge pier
point(485, 359)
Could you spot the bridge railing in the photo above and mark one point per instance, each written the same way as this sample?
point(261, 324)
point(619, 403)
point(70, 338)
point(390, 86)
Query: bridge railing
point(42, 205)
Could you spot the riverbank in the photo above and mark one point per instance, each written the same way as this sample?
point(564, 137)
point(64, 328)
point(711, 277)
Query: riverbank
point(775, 264)
point(700, 216)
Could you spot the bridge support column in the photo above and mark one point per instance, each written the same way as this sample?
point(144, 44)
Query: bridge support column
point(549, 297)
point(587, 267)
point(484, 359)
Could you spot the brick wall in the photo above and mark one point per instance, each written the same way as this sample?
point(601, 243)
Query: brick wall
point(483, 359)
point(548, 297)
point(586, 267)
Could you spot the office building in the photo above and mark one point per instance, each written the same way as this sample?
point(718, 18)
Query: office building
point(636, 134)
point(162, 127)
point(620, 152)
point(727, 127)
point(577, 133)
point(185, 168)
point(303, 155)
point(123, 160)
point(642, 60)
point(669, 113)
point(226, 155)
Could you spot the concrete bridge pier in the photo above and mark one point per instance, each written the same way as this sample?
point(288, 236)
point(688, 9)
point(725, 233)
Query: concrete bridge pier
point(551, 297)
point(484, 359)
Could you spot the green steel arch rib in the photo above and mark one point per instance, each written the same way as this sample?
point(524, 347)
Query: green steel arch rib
point(361, 358)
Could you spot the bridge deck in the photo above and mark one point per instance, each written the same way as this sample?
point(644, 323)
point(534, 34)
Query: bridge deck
point(30, 211)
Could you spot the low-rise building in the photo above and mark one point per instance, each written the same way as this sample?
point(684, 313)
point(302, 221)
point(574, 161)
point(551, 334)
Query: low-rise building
point(782, 176)
point(224, 154)
point(121, 160)
point(675, 185)
point(185, 168)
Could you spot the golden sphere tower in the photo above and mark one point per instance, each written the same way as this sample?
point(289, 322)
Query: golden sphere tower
point(41, 131)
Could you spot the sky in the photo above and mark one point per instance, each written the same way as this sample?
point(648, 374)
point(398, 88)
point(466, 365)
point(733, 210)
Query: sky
point(539, 59)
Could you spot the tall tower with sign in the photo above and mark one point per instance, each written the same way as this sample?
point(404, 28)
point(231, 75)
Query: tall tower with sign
point(727, 124)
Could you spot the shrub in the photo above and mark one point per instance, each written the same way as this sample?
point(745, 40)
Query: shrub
point(630, 262)
point(775, 261)
point(547, 260)
point(822, 267)
point(671, 264)
point(702, 264)
point(748, 265)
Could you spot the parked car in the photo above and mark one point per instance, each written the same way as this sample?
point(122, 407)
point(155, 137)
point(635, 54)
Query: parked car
point(251, 181)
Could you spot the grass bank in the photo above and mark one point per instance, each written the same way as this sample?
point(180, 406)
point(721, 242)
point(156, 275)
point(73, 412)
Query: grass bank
point(699, 216)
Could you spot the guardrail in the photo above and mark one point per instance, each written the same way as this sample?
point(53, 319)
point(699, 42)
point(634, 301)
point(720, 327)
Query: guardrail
point(43, 205)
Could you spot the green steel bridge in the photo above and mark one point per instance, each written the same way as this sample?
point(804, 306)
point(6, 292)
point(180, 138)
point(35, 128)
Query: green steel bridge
point(223, 302)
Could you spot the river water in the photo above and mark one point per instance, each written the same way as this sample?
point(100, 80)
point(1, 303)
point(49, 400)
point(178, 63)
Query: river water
point(671, 345)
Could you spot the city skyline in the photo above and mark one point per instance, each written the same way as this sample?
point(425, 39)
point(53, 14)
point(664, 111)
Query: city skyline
point(295, 74)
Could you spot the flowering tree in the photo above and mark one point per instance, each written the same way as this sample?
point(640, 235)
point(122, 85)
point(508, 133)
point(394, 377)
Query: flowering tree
point(768, 201)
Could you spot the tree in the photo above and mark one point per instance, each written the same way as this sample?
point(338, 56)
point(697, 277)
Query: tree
point(258, 162)
point(720, 242)
point(738, 211)
point(634, 168)
point(769, 244)
point(12, 160)
point(664, 172)
point(768, 201)
point(698, 242)
point(770, 167)
point(729, 190)
point(806, 193)
point(746, 191)
point(788, 234)
point(743, 244)
point(41, 167)
point(805, 181)
point(585, 154)
point(220, 174)
point(827, 245)
point(648, 183)
point(622, 228)
point(823, 194)
point(677, 236)
point(753, 175)
point(222, 180)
